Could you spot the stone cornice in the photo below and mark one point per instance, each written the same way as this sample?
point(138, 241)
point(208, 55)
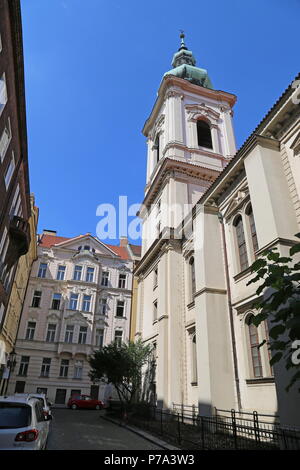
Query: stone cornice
point(180, 146)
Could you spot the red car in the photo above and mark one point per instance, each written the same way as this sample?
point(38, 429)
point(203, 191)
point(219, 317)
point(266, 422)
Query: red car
point(84, 401)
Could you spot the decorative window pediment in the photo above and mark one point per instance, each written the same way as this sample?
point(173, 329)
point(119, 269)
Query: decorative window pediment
point(199, 111)
point(237, 201)
point(158, 127)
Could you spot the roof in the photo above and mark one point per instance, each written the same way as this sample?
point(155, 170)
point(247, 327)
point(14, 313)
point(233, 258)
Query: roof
point(47, 241)
point(16, 398)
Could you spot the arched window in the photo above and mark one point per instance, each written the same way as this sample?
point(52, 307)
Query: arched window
point(249, 213)
point(254, 350)
point(192, 278)
point(241, 242)
point(204, 134)
point(157, 148)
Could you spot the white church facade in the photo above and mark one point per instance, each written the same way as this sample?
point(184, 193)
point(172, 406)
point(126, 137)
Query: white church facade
point(208, 212)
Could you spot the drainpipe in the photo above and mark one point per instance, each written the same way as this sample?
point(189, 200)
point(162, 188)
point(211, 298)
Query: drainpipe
point(233, 341)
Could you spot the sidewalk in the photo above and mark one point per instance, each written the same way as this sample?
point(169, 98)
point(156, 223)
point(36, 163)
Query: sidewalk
point(143, 434)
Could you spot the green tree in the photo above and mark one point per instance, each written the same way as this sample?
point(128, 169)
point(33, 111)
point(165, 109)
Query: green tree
point(279, 301)
point(122, 366)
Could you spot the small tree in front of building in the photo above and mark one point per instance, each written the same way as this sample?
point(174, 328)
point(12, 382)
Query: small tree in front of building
point(121, 365)
point(279, 302)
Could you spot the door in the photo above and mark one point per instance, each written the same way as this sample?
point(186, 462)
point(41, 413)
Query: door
point(94, 392)
point(60, 397)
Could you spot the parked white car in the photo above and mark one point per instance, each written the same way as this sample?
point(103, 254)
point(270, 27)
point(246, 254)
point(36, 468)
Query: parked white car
point(23, 425)
point(43, 399)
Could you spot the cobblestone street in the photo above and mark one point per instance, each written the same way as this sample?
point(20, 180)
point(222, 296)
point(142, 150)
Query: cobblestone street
point(86, 430)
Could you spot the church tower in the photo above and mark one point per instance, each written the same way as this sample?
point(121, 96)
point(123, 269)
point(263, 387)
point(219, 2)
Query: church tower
point(190, 140)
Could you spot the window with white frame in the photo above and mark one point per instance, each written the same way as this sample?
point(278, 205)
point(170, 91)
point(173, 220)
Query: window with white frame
point(69, 333)
point(3, 93)
point(30, 330)
point(104, 279)
point(78, 370)
point(255, 351)
point(103, 306)
point(82, 335)
point(61, 273)
point(42, 270)
point(36, 299)
point(99, 337)
point(10, 170)
point(56, 300)
point(64, 368)
point(155, 310)
point(204, 134)
point(51, 331)
point(16, 207)
point(155, 277)
point(120, 308)
point(118, 337)
point(5, 140)
point(77, 273)
point(192, 278)
point(45, 370)
point(86, 303)
point(122, 281)
point(89, 274)
point(73, 301)
point(3, 250)
point(249, 213)
point(24, 364)
point(194, 376)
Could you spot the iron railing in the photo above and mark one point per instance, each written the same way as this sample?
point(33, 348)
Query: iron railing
point(187, 429)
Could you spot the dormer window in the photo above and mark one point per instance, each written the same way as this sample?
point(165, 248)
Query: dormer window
point(87, 247)
point(204, 134)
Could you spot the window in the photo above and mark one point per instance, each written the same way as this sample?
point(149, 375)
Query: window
point(3, 250)
point(50, 338)
point(249, 212)
point(194, 360)
point(155, 278)
point(255, 351)
point(3, 93)
point(78, 369)
point(82, 335)
point(99, 338)
point(77, 273)
point(192, 278)
point(104, 280)
point(5, 140)
point(69, 334)
point(241, 243)
point(64, 368)
point(204, 134)
point(122, 281)
point(42, 270)
point(30, 330)
point(118, 337)
point(56, 302)
point(103, 306)
point(155, 310)
point(24, 365)
point(89, 275)
point(36, 301)
point(86, 303)
point(268, 346)
point(61, 273)
point(45, 370)
point(120, 308)
point(10, 171)
point(16, 207)
point(73, 302)
point(156, 148)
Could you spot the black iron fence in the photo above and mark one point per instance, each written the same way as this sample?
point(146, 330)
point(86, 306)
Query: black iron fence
point(229, 430)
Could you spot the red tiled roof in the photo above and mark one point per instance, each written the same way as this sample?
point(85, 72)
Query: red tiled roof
point(49, 240)
point(136, 249)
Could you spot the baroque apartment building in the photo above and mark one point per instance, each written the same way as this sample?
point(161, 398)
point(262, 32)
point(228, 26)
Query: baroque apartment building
point(17, 233)
point(78, 299)
point(208, 213)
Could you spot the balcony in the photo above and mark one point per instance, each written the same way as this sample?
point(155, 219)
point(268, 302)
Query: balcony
point(19, 240)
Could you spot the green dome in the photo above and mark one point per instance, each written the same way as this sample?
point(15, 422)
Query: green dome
point(184, 67)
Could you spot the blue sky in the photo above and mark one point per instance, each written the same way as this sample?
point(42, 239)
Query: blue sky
point(92, 70)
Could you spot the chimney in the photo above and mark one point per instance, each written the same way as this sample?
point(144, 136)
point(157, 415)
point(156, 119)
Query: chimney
point(50, 232)
point(123, 241)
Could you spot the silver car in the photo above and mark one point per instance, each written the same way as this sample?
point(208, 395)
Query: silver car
point(23, 425)
point(43, 399)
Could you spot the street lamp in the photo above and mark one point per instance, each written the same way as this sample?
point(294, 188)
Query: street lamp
point(11, 363)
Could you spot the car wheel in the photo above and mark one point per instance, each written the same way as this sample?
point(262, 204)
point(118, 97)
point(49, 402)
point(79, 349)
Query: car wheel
point(74, 406)
point(98, 407)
